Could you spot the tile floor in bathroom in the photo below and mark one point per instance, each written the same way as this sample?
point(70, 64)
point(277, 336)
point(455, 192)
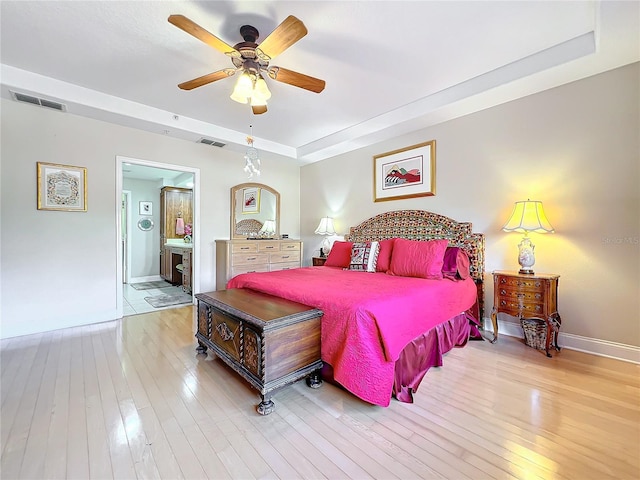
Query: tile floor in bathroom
point(134, 302)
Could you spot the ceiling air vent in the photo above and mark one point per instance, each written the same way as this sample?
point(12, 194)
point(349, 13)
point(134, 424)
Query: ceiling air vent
point(213, 143)
point(43, 102)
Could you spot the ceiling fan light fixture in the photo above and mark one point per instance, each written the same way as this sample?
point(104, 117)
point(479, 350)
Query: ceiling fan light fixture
point(234, 96)
point(243, 89)
point(261, 90)
point(256, 101)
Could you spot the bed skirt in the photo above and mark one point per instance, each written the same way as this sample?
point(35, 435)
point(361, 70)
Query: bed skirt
point(424, 352)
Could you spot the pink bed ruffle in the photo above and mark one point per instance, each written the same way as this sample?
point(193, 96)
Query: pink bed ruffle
point(428, 351)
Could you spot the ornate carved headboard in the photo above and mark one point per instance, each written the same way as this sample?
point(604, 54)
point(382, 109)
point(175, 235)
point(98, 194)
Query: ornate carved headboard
point(423, 225)
point(247, 226)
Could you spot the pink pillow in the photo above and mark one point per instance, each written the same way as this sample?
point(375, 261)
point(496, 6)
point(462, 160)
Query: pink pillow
point(340, 255)
point(414, 258)
point(384, 255)
point(456, 264)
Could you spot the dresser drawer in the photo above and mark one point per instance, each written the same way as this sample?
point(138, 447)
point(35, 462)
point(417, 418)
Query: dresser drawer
point(249, 269)
point(274, 267)
point(290, 246)
point(249, 259)
point(268, 246)
point(284, 257)
point(226, 333)
point(244, 248)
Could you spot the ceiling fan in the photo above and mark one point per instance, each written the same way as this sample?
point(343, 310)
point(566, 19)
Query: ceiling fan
point(251, 60)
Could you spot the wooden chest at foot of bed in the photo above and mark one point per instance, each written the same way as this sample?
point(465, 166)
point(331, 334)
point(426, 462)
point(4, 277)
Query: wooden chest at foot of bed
point(271, 342)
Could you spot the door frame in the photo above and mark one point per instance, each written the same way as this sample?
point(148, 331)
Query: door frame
point(195, 261)
point(126, 194)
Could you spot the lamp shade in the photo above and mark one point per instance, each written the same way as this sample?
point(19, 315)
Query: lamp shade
point(325, 227)
point(528, 216)
point(243, 89)
point(269, 227)
point(261, 91)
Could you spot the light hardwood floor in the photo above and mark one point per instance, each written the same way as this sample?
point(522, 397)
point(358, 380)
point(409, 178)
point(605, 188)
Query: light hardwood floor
point(131, 399)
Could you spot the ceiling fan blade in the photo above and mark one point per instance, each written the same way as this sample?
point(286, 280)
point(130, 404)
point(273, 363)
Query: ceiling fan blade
point(286, 34)
point(258, 109)
point(296, 79)
point(205, 79)
point(200, 33)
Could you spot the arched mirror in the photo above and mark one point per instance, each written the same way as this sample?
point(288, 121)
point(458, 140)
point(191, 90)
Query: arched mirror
point(255, 211)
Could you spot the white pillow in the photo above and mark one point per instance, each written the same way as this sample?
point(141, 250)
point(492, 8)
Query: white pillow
point(364, 256)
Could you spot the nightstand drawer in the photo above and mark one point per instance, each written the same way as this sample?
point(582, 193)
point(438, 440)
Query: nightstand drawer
point(534, 284)
point(527, 296)
point(513, 307)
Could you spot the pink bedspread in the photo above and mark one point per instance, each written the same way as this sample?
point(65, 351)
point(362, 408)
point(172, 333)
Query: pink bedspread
point(368, 317)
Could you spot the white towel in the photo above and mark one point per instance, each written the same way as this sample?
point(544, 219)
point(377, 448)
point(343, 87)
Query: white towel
point(179, 226)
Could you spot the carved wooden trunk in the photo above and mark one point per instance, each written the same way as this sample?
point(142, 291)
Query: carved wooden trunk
point(270, 341)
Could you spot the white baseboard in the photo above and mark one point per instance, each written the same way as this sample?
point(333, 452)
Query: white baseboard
point(150, 278)
point(594, 346)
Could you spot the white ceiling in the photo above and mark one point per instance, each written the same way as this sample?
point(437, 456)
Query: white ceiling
point(390, 67)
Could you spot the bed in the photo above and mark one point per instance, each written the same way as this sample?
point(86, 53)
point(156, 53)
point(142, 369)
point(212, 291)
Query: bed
point(382, 330)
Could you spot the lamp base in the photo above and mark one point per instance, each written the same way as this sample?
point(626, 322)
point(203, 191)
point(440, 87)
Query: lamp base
point(526, 258)
point(326, 247)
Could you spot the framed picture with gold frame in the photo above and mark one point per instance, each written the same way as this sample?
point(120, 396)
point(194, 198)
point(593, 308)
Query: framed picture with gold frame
point(251, 200)
point(62, 187)
point(405, 173)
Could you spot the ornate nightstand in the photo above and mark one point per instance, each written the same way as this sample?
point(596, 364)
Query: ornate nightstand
point(527, 296)
point(318, 261)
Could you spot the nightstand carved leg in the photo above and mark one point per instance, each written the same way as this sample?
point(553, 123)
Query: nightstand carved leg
point(494, 322)
point(556, 330)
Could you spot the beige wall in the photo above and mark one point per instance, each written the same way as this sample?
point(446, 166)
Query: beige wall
point(575, 148)
point(59, 268)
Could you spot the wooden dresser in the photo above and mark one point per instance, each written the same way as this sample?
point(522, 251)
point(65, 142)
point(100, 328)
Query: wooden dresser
point(234, 257)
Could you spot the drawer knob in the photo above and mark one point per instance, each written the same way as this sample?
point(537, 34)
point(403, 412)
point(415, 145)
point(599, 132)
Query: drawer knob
point(224, 332)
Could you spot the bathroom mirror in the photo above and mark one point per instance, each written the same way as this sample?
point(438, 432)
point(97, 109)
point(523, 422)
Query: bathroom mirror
point(255, 211)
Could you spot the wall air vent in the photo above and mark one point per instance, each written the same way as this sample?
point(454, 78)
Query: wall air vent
point(213, 143)
point(43, 102)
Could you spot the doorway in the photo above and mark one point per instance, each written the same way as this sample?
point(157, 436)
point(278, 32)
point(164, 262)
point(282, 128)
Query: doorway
point(150, 177)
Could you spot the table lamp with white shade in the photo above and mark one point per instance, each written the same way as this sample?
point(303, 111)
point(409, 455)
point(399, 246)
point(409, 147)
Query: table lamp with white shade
point(527, 216)
point(325, 228)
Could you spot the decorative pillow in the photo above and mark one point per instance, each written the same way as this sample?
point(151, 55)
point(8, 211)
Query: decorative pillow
point(340, 255)
point(364, 256)
point(456, 264)
point(384, 255)
point(414, 258)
